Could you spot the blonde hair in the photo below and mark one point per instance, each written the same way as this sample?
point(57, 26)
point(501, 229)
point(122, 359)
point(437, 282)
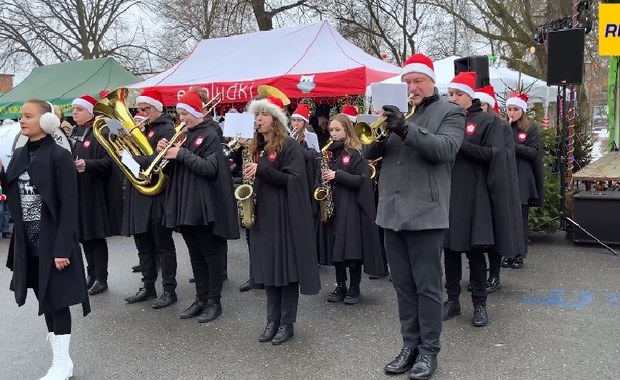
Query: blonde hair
point(352, 141)
point(523, 123)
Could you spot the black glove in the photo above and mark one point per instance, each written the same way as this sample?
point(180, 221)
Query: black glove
point(395, 122)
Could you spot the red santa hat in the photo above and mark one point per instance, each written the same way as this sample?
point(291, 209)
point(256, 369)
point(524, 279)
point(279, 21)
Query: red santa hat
point(486, 95)
point(85, 101)
point(419, 63)
point(350, 111)
point(272, 105)
point(140, 116)
point(518, 99)
point(302, 112)
point(153, 98)
point(464, 81)
point(192, 103)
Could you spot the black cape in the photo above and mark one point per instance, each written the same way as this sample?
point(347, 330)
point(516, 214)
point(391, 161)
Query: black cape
point(139, 209)
point(351, 234)
point(52, 172)
point(100, 189)
point(282, 244)
point(200, 188)
point(529, 152)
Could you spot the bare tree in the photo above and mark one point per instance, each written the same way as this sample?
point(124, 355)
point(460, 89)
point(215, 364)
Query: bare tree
point(49, 31)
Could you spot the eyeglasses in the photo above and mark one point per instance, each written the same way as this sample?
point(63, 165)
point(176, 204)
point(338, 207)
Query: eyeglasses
point(145, 109)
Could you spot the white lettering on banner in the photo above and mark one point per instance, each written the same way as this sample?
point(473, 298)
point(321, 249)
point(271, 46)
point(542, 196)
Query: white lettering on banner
point(232, 96)
point(242, 93)
point(238, 91)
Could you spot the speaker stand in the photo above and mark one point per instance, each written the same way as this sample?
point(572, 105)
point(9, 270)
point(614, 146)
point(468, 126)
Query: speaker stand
point(565, 221)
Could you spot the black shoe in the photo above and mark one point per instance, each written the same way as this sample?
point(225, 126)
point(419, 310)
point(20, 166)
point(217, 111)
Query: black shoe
point(194, 310)
point(210, 312)
point(136, 269)
point(493, 285)
point(90, 281)
point(451, 309)
point(143, 294)
point(270, 331)
point(424, 367)
point(166, 299)
point(403, 361)
point(353, 295)
point(98, 287)
point(506, 262)
point(285, 332)
point(246, 286)
point(6, 235)
point(338, 294)
point(192, 280)
point(517, 264)
point(480, 318)
point(387, 273)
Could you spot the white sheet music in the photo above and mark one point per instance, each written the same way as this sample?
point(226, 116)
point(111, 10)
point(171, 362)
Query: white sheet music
point(312, 140)
point(130, 163)
point(389, 94)
point(239, 125)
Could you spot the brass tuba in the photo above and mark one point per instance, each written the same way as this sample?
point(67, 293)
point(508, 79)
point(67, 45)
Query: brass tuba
point(244, 194)
point(117, 132)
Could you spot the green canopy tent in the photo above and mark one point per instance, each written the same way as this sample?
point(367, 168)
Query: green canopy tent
point(61, 83)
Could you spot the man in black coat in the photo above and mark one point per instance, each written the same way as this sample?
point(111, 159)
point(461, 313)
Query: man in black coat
point(142, 216)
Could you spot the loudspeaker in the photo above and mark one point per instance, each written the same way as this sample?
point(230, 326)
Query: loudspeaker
point(477, 63)
point(597, 212)
point(565, 50)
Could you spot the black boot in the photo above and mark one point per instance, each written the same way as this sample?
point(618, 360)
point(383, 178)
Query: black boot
point(98, 287)
point(194, 310)
point(403, 361)
point(352, 296)
point(424, 367)
point(270, 331)
point(246, 286)
point(167, 298)
point(493, 285)
point(90, 281)
point(211, 312)
point(517, 264)
point(338, 294)
point(285, 332)
point(451, 309)
point(136, 268)
point(506, 262)
point(144, 294)
point(480, 318)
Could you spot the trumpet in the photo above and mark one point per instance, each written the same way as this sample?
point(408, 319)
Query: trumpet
point(369, 133)
point(231, 146)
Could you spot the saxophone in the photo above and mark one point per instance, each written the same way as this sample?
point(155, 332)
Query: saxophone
point(323, 193)
point(244, 194)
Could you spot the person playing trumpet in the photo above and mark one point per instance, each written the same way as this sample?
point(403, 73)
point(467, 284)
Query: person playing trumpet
point(199, 202)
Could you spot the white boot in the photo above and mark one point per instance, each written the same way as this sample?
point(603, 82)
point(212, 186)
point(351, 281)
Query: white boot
point(50, 338)
point(62, 366)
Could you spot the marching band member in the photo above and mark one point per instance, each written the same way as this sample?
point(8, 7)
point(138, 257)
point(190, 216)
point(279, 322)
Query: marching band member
point(350, 237)
point(414, 200)
point(350, 112)
point(529, 151)
point(98, 194)
point(199, 202)
point(283, 256)
point(479, 199)
point(142, 215)
point(44, 254)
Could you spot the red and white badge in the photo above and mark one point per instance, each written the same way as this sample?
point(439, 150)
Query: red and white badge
point(346, 160)
point(86, 144)
point(470, 128)
point(198, 141)
point(150, 135)
point(522, 136)
point(272, 157)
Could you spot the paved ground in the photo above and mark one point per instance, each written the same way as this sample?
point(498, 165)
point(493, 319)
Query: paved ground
point(556, 319)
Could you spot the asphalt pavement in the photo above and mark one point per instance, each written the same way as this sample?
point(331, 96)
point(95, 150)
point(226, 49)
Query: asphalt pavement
point(558, 318)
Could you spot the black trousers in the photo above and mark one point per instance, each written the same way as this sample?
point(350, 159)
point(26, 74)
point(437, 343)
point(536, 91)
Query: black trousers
point(205, 252)
point(525, 210)
point(477, 275)
point(495, 263)
point(247, 239)
point(415, 264)
point(96, 253)
point(355, 272)
point(157, 241)
point(383, 254)
point(282, 303)
point(58, 321)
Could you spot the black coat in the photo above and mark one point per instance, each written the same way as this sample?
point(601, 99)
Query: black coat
point(139, 209)
point(99, 188)
point(351, 234)
point(282, 243)
point(529, 153)
point(52, 172)
point(200, 188)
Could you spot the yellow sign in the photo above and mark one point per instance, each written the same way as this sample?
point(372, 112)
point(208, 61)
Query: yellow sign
point(609, 29)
